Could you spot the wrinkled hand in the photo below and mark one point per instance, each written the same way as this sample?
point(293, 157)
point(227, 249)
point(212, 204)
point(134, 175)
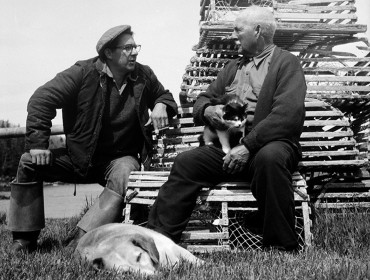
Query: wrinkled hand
point(213, 114)
point(236, 160)
point(41, 157)
point(159, 117)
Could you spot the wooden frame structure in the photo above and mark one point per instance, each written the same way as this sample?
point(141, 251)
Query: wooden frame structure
point(335, 137)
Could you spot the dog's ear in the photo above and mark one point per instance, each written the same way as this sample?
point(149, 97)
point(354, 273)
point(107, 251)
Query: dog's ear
point(148, 245)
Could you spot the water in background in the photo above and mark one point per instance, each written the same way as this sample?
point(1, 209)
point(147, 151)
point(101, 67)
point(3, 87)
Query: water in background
point(59, 200)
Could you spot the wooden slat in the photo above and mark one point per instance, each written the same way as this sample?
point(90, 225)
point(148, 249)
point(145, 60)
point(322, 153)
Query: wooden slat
point(340, 122)
point(330, 153)
point(312, 16)
point(298, 7)
point(284, 27)
point(335, 59)
point(187, 236)
point(324, 144)
point(337, 88)
point(206, 248)
point(322, 78)
point(326, 134)
point(342, 205)
point(347, 195)
point(309, 2)
point(332, 163)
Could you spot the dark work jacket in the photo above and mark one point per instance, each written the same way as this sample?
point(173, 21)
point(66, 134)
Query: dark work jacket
point(280, 110)
point(80, 92)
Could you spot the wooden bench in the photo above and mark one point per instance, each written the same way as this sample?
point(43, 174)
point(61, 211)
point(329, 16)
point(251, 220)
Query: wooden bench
point(217, 222)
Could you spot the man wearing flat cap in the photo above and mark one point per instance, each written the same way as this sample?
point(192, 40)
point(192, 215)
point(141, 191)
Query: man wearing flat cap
point(110, 105)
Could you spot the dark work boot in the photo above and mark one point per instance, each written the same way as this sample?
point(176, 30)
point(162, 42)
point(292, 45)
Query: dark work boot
point(26, 215)
point(25, 242)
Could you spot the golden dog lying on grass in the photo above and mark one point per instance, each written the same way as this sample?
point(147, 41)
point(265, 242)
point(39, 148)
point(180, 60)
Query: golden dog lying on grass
point(131, 248)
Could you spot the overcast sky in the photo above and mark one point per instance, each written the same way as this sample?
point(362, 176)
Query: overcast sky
point(39, 38)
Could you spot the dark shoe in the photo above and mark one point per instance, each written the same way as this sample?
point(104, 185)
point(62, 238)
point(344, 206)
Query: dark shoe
point(73, 243)
point(25, 246)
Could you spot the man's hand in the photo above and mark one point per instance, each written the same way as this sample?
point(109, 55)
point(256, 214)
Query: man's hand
point(41, 157)
point(213, 114)
point(236, 160)
point(159, 117)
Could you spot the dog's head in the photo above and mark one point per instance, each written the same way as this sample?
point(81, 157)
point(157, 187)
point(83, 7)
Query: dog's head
point(131, 252)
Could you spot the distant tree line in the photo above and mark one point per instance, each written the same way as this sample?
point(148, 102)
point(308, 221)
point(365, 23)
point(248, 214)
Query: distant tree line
point(11, 150)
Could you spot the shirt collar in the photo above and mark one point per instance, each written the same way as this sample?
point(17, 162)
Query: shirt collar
point(258, 58)
point(106, 70)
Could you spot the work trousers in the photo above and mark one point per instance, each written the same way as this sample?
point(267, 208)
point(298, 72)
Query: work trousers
point(112, 174)
point(269, 171)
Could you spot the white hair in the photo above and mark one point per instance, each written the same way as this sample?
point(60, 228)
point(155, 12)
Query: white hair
point(262, 16)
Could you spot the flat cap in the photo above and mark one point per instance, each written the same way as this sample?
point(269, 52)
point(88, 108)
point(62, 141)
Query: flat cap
point(110, 35)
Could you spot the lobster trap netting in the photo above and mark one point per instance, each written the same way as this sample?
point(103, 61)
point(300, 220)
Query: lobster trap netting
point(241, 235)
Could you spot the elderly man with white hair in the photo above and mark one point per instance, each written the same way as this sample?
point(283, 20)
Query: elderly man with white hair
point(271, 81)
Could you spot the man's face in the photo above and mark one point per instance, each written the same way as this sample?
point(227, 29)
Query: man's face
point(245, 37)
point(123, 56)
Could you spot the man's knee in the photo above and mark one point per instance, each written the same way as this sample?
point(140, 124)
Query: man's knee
point(273, 155)
point(26, 171)
point(189, 159)
point(25, 159)
point(118, 177)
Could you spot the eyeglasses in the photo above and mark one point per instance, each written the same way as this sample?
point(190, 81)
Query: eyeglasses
point(128, 48)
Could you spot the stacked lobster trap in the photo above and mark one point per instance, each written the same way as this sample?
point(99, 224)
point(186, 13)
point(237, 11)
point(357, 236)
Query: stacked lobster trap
point(333, 170)
point(326, 38)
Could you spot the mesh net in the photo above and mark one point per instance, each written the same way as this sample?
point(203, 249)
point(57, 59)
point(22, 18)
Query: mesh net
point(241, 235)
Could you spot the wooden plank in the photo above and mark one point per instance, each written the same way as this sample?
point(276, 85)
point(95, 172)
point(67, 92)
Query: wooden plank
point(331, 113)
point(346, 185)
point(350, 142)
point(303, 16)
point(142, 201)
point(298, 7)
point(345, 195)
point(340, 122)
point(334, 59)
point(149, 184)
point(238, 198)
point(323, 78)
point(332, 163)
point(308, 2)
point(285, 27)
point(307, 224)
point(206, 248)
point(326, 68)
point(330, 153)
point(146, 194)
point(337, 88)
point(193, 235)
point(341, 205)
point(151, 173)
point(317, 135)
point(185, 130)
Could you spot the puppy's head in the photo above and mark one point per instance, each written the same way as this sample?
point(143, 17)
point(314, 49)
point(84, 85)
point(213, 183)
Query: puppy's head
point(134, 252)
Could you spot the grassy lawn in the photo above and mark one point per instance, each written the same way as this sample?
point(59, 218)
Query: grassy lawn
point(341, 251)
